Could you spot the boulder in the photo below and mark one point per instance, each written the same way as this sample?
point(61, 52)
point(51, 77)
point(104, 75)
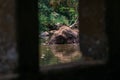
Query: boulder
point(43, 34)
point(64, 35)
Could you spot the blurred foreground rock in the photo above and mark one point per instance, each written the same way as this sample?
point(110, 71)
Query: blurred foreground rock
point(8, 54)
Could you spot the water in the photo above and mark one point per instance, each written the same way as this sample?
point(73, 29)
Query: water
point(89, 50)
point(56, 54)
point(64, 53)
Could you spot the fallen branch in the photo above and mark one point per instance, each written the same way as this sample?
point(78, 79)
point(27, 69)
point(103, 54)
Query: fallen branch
point(74, 24)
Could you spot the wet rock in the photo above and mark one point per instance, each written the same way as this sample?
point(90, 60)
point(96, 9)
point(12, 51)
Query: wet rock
point(43, 34)
point(52, 32)
point(64, 35)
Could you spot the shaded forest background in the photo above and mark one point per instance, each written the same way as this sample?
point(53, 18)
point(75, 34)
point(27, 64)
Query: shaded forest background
point(52, 12)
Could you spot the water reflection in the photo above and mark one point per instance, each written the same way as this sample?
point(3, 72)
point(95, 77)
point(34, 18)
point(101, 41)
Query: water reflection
point(62, 53)
point(67, 52)
point(91, 49)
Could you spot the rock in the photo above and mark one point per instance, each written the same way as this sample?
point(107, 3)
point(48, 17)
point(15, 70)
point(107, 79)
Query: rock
point(43, 34)
point(51, 32)
point(64, 35)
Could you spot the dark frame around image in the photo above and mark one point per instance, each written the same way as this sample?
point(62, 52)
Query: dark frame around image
point(27, 37)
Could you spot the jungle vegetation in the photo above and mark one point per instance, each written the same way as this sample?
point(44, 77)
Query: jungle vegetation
point(52, 12)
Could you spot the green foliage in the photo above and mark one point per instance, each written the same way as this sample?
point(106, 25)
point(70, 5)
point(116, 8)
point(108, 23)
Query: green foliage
point(56, 11)
point(57, 18)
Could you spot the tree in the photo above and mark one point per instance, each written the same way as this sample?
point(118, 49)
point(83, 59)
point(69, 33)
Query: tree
point(56, 11)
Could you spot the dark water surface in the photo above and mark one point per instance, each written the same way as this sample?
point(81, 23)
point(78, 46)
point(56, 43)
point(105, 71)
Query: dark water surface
point(62, 53)
point(90, 49)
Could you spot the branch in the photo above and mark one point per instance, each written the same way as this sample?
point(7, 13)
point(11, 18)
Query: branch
point(74, 24)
